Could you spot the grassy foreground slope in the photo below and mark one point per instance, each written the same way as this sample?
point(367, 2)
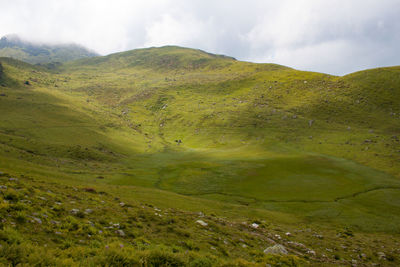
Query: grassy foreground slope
point(306, 153)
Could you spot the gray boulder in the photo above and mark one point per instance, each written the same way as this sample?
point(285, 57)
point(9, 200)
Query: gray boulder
point(276, 249)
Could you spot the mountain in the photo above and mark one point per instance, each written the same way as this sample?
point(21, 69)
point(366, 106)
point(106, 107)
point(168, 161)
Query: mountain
point(176, 157)
point(35, 53)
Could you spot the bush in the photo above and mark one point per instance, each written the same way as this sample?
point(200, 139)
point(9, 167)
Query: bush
point(11, 236)
point(162, 258)
point(119, 258)
point(201, 262)
point(21, 217)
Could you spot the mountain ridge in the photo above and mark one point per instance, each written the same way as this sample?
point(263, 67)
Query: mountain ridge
point(41, 53)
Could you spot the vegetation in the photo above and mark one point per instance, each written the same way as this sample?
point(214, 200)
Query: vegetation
point(172, 156)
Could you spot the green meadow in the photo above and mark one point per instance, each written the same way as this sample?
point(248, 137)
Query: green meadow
point(179, 135)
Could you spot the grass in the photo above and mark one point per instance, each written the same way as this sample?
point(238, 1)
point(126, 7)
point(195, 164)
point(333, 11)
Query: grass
point(177, 128)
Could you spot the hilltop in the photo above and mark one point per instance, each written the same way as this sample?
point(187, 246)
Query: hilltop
point(255, 151)
point(36, 53)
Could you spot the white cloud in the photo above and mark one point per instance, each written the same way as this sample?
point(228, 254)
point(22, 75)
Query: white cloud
point(336, 36)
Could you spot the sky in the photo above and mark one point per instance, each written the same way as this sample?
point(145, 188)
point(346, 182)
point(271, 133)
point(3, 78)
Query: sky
point(330, 36)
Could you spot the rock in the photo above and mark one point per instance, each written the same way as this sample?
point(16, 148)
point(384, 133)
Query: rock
point(88, 211)
point(202, 223)
point(39, 221)
point(310, 123)
point(122, 204)
point(311, 252)
point(276, 249)
point(318, 236)
point(3, 187)
point(58, 233)
point(381, 255)
point(288, 234)
point(120, 232)
point(74, 211)
point(254, 225)
point(90, 190)
point(13, 179)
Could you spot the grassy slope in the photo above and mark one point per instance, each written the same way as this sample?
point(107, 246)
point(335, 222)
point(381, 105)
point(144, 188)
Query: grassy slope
point(245, 132)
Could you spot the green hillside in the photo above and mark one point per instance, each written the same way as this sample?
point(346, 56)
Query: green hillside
point(199, 137)
point(14, 47)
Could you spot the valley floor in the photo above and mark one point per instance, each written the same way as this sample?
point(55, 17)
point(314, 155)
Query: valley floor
point(175, 157)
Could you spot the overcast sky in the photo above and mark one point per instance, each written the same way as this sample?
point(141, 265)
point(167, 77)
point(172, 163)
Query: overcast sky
point(331, 36)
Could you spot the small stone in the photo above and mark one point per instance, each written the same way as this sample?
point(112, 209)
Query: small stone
point(276, 249)
point(381, 255)
point(122, 204)
point(120, 232)
point(288, 234)
point(39, 221)
point(254, 225)
point(202, 223)
point(88, 211)
point(13, 179)
point(74, 211)
point(311, 252)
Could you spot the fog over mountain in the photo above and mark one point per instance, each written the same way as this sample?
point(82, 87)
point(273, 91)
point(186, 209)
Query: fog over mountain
point(335, 36)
